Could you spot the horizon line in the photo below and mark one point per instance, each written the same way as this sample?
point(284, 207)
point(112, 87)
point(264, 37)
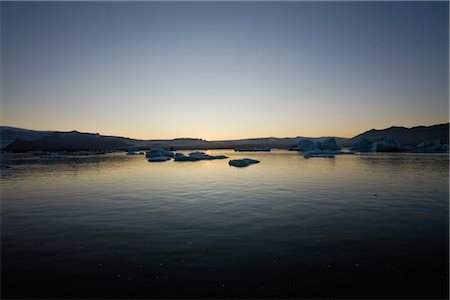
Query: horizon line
point(220, 140)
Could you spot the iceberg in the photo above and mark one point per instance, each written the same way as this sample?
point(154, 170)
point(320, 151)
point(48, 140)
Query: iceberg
point(385, 145)
point(196, 156)
point(306, 145)
point(432, 146)
point(182, 157)
point(242, 162)
point(362, 145)
point(328, 144)
point(158, 152)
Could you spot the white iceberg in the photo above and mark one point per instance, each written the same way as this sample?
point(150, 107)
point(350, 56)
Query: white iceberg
point(242, 162)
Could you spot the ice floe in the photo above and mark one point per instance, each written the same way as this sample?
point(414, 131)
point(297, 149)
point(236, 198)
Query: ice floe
point(242, 162)
point(158, 152)
point(196, 156)
point(159, 155)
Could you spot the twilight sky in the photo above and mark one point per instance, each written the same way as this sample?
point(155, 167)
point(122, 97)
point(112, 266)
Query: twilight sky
point(218, 70)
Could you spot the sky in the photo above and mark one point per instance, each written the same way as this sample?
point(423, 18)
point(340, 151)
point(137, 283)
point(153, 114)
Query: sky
point(224, 70)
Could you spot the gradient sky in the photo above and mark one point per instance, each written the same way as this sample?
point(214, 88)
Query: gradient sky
point(218, 70)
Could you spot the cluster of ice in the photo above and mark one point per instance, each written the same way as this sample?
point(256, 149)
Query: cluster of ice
point(326, 144)
point(362, 145)
point(327, 148)
point(386, 145)
point(159, 152)
point(436, 145)
point(242, 162)
point(196, 156)
point(306, 145)
point(159, 155)
point(382, 145)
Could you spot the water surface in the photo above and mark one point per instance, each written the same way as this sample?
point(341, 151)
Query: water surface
point(115, 226)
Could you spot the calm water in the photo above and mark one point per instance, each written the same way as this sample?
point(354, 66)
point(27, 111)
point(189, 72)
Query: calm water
point(117, 226)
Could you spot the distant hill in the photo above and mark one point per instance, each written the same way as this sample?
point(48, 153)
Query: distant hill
point(17, 139)
point(70, 141)
point(408, 136)
point(10, 134)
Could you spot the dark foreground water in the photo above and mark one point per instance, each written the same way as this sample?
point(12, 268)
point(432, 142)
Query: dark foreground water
point(116, 226)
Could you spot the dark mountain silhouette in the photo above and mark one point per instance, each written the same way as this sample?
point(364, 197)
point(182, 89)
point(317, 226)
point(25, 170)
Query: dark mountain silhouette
point(407, 136)
point(10, 134)
point(70, 141)
point(17, 139)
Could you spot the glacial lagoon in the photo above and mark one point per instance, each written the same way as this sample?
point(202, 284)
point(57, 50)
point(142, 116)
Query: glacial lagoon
point(118, 226)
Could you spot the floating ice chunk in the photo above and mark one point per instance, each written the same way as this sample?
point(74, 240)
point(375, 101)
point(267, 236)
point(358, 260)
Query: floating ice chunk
point(158, 152)
point(182, 157)
point(196, 156)
point(242, 162)
point(219, 157)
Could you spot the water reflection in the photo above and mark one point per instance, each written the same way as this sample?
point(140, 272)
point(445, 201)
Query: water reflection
point(119, 226)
